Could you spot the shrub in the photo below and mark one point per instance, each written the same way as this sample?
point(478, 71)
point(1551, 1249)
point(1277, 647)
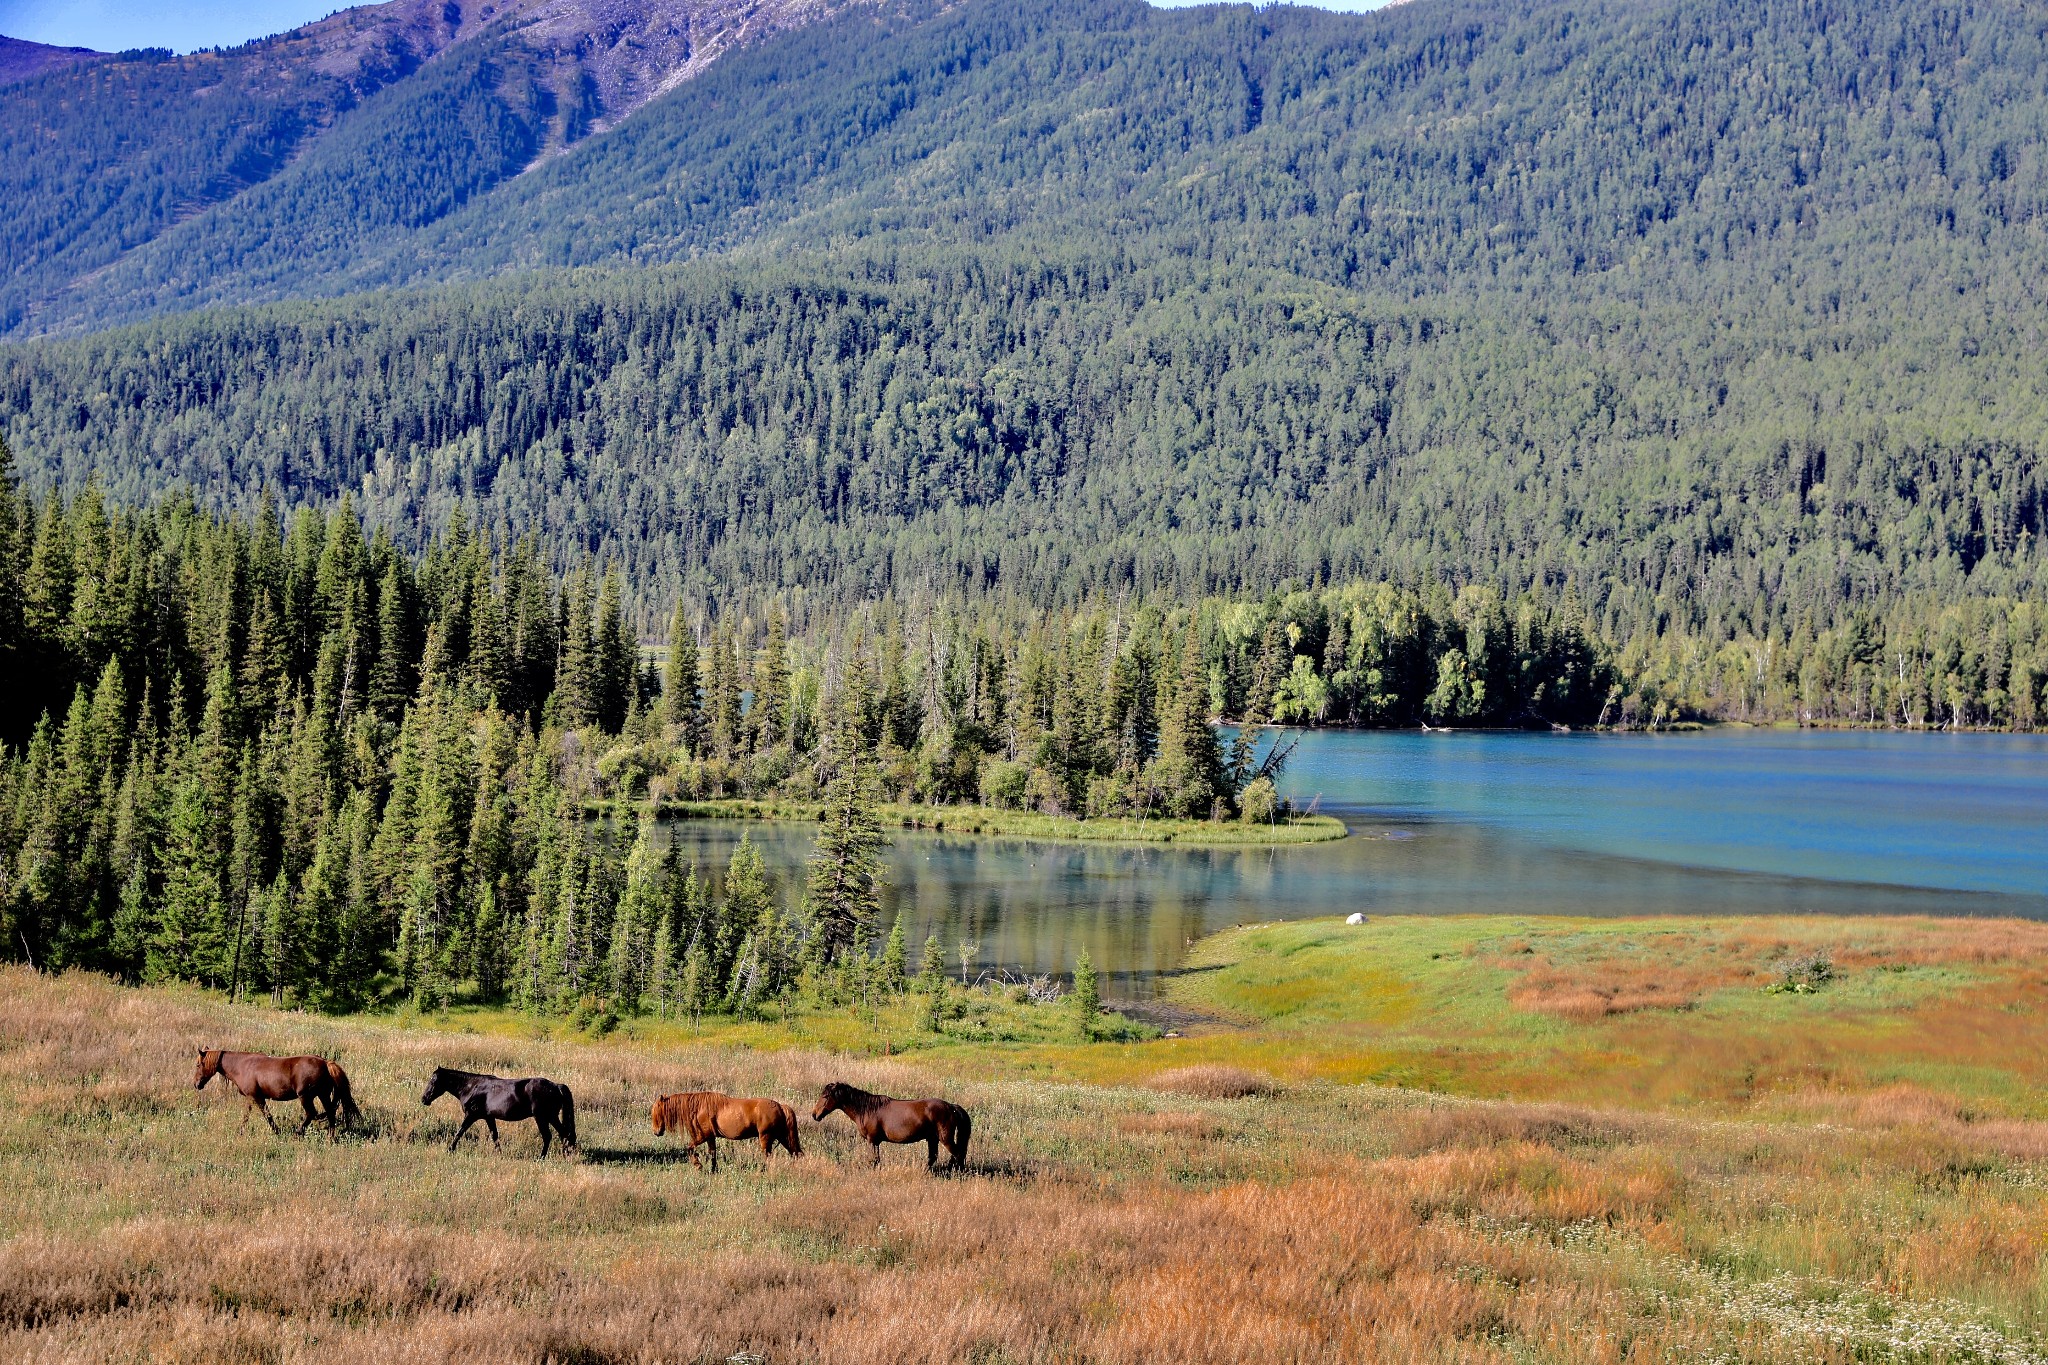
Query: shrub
point(1804, 974)
point(1003, 784)
point(1259, 802)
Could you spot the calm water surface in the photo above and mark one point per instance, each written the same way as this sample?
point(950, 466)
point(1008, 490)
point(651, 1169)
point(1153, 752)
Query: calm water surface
point(1722, 822)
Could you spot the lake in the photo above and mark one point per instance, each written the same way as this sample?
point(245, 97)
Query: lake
point(1721, 822)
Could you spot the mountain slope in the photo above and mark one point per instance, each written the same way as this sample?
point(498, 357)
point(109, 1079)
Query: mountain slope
point(1633, 144)
point(385, 115)
point(1724, 316)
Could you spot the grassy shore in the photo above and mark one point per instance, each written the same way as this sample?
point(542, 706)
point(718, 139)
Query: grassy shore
point(1014, 824)
point(1688, 1159)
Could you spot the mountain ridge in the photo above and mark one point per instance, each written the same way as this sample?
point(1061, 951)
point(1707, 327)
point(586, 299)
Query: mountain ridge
point(508, 85)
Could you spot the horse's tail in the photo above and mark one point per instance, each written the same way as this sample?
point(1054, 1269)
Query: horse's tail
point(568, 1114)
point(343, 1095)
point(963, 1129)
point(789, 1133)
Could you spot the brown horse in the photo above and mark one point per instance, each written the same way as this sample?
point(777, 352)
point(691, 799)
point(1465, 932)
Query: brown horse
point(259, 1078)
point(881, 1119)
point(705, 1116)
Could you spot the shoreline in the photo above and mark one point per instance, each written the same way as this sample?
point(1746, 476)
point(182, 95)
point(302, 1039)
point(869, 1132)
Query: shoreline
point(987, 822)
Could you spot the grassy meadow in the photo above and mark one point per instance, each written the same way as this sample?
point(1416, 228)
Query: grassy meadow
point(1467, 1139)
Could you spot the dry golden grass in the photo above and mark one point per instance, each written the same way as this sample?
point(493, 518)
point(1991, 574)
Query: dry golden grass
point(1213, 1082)
point(1096, 1223)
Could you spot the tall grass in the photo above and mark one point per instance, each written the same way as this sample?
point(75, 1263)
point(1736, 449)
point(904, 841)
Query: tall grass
point(1097, 1223)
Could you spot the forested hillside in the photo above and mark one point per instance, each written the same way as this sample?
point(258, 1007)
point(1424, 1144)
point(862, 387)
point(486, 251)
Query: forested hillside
point(1720, 322)
point(1014, 423)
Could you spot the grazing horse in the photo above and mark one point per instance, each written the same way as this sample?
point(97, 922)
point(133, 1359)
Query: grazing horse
point(705, 1116)
point(490, 1098)
point(260, 1078)
point(881, 1119)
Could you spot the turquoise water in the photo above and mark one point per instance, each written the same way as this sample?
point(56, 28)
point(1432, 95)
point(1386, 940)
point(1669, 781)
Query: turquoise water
point(1716, 823)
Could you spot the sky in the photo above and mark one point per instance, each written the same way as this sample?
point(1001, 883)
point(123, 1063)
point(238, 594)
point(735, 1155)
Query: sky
point(182, 25)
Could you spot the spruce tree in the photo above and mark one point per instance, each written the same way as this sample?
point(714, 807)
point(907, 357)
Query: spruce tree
point(696, 982)
point(768, 717)
point(747, 896)
point(615, 658)
point(845, 866)
point(1087, 996)
point(682, 707)
point(895, 959)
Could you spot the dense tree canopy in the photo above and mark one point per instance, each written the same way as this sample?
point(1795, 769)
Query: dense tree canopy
point(281, 754)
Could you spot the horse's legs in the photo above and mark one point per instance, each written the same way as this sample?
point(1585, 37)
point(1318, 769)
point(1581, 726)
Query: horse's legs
point(931, 1152)
point(875, 1152)
point(312, 1112)
point(712, 1143)
point(492, 1124)
point(256, 1103)
point(540, 1121)
point(467, 1119)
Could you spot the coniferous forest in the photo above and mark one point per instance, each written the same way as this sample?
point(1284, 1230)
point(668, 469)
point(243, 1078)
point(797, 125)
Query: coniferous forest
point(962, 403)
point(280, 754)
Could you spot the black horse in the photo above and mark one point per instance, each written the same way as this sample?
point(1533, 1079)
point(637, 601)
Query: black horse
point(490, 1098)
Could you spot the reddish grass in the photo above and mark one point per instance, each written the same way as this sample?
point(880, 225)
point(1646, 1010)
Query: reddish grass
point(1329, 1224)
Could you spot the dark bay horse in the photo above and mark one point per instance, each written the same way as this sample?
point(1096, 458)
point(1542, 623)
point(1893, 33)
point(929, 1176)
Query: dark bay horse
point(705, 1116)
point(259, 1078)
point(490, 1098)
point(881, 1119)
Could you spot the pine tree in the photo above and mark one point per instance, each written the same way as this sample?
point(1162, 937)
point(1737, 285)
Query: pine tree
point(746, 898)
point(895, 959)
point(931, 980)
point(768, 717)
point(579, 683)
point(616, 658)
point(682, 707)
point(661, 971)
point(845, 866)
point(1087, 996)
point(722, 693)
point(696, 982)
point(639, 911)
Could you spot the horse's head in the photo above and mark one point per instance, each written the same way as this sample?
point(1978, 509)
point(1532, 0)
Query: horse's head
point(209, 1063)
point(833, 1096)
point(436, 1087)
point(661, 1116)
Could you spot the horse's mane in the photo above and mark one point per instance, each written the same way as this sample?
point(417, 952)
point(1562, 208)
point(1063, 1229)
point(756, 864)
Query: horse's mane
point(853, 1099)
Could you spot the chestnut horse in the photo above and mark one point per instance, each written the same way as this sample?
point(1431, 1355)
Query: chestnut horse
point(705, 1116)
point(881, 1119)
point(260, 1078)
